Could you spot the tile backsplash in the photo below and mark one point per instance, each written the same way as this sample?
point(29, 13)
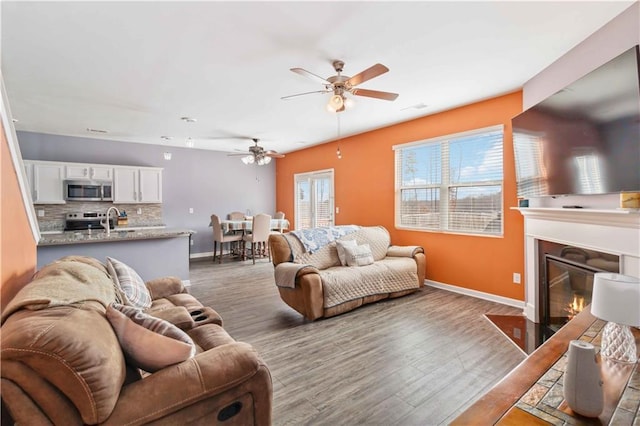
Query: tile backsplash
point(55, 214)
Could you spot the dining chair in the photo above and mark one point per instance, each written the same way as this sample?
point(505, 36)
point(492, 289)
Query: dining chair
point(279, 216)
point(219, 236)
point(260, 230)
point(235, 216)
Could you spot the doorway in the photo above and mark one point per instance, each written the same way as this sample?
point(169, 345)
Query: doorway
point(314, 195)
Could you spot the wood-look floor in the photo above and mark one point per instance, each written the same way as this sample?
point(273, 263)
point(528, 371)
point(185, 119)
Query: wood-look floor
point(416, 360)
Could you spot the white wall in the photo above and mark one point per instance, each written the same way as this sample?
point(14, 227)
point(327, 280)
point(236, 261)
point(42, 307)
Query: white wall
point(617, 36)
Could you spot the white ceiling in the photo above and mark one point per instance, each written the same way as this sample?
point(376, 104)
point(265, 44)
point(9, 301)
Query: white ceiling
point(134, 68)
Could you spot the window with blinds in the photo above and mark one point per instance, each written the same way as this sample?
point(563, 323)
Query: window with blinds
point(452, 183)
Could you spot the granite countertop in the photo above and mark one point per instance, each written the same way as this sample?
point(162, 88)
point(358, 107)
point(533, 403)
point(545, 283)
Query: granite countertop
point(118, 234)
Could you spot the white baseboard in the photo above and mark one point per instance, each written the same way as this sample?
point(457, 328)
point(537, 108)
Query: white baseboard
point(477, 294)
point(199, 255)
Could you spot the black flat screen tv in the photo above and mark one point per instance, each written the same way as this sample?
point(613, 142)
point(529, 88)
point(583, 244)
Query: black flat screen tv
point(585, 139)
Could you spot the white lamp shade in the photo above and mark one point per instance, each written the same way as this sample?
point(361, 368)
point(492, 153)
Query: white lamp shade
point(616, 298)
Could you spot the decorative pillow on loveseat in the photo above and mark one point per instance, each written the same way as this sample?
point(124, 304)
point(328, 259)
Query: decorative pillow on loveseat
point(359, 256)
point(131, 285)
point(340, 247)
point(148, 342)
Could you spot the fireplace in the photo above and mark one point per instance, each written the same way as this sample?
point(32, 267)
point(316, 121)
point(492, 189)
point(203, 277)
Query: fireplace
point(575, 239)
point(565, 281)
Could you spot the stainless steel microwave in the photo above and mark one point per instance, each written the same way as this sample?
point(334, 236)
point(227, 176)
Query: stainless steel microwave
point(88, 190)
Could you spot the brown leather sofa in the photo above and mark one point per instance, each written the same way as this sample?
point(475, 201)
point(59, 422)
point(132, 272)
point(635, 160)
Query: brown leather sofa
point(319, 286)
point(62, 362)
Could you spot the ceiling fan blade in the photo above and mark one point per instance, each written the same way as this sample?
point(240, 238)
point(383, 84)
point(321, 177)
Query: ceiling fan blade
point(273, 154)
point(387, 96)
point(305, 93)
point(310, 75)
point(367, 74)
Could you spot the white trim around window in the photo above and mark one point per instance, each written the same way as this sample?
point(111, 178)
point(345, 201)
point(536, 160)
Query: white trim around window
point(452, 183)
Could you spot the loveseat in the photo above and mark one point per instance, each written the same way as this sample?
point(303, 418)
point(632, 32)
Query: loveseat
point(72, 354)
point(317, 281)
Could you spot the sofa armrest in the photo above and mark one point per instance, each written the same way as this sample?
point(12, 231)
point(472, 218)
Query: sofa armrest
point(166, 286)
point(286, 273)
point(404, 251)
point(207, 375)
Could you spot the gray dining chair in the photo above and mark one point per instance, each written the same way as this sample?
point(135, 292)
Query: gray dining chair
point(219, 236)
point(260, 230)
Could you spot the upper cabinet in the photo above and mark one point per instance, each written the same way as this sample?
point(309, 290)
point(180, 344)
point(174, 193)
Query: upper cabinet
point(137, 185)
point(88, 172)
point(45, 182)
point(131, 184)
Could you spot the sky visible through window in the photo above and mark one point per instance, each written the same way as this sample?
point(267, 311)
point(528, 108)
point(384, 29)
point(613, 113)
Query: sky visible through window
point(471, 160)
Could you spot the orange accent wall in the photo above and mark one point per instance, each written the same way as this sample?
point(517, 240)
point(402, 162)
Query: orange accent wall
point(18, 250)
point(365, 185)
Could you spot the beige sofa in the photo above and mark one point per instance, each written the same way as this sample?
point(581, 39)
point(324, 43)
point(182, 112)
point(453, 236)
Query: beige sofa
point(317, 285)
point(62, 362)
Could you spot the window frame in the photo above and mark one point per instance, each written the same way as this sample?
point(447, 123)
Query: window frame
point(445, 185)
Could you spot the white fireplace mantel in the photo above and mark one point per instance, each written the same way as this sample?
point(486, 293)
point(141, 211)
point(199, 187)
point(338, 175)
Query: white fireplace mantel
point(614, 231)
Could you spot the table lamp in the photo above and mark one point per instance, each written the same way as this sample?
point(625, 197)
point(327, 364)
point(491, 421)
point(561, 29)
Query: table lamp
point(616, 298)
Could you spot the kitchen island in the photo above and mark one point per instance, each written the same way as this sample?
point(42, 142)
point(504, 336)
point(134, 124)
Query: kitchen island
point(153, 252)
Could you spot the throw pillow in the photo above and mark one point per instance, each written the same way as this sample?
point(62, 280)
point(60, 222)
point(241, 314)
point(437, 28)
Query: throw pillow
point(359, 255)
point(341, 245)
point(148, 342)
point(133, 290)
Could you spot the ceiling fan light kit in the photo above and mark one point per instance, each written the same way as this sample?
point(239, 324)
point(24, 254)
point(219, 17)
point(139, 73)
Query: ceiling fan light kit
point(258, 155)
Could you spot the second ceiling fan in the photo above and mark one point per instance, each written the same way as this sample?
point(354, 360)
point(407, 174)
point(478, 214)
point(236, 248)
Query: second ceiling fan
point(340, 84)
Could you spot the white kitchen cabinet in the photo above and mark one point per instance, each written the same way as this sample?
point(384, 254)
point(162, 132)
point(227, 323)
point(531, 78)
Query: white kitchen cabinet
point(88, 172)
point(137, 185)
point(46, 182)
point(150, 186)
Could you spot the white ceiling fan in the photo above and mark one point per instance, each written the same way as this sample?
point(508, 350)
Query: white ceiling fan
point(257, 154)
point(340, 84)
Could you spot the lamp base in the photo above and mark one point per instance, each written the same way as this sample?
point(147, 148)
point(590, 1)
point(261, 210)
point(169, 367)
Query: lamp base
point(618, 343)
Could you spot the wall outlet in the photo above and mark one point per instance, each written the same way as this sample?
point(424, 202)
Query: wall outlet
point(337, 210)
point(139, 211)
point(192, 242)
point(516, 278)
point(191, 210)
point(41, 213)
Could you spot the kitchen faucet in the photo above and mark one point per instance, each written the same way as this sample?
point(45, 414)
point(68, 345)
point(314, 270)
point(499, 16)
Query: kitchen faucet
point(105, 222)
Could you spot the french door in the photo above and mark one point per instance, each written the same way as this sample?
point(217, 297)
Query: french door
point(314, 199)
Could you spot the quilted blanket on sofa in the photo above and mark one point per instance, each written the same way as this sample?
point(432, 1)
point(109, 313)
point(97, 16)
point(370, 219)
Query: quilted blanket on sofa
point(342, 284)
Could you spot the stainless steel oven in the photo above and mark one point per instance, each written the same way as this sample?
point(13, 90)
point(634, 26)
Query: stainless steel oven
point(85, 190)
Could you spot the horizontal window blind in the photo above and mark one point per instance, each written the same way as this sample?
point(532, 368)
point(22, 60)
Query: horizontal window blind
point(451, 183)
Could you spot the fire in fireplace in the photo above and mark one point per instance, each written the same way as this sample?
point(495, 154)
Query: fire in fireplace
point(566, 281)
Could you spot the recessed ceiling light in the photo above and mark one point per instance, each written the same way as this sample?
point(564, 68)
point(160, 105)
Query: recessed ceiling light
point(90, 130)
point(188, 119)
